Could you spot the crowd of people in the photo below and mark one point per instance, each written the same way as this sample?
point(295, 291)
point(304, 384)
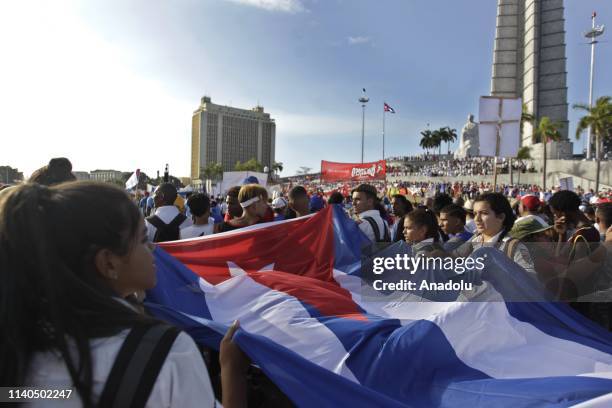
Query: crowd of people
point(454, 167)
point(76, 258)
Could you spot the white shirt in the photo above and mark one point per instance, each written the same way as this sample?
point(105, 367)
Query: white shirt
point(194, 231)
point(366, 228)
point(166, 214)
point(183, 380)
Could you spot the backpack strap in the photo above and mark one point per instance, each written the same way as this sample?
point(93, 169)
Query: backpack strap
point(387, 234)
point(156, 221)
point(372, 223)
point(177, 221)
point(137, 366)
point(510, 248)
point(161, 226)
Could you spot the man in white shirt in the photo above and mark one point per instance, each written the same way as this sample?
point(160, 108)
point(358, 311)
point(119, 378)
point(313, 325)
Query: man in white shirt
point(203, 223)
point(166, 223)
point(365, 205)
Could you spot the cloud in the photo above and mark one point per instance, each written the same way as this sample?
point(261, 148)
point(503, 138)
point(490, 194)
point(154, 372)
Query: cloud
point(358, 40)
point(285, 6)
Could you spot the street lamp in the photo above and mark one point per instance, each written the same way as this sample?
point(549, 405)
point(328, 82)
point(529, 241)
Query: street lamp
point(592, 34)
point(363, 100)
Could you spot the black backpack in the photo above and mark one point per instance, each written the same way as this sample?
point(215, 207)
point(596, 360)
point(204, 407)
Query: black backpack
point(137, 366)
point(166, 232)
point(385, 237)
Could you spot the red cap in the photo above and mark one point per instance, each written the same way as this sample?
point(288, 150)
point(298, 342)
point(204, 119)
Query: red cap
point(530, 202)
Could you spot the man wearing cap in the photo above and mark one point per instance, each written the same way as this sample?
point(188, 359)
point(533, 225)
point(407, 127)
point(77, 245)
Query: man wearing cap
point(529, 208)
point(279, 205)
point(365, 202)
point(470, 224)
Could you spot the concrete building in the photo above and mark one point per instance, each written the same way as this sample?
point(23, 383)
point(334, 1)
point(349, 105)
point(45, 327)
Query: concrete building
point(226, 135)
point(529, 62)
point(105, 175)
point(81, 175)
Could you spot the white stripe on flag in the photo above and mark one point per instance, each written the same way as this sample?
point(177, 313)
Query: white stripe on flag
point(486, 337)
point(278, 316)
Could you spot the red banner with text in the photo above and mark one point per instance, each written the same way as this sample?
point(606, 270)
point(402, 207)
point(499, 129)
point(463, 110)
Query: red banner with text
point(331, 171)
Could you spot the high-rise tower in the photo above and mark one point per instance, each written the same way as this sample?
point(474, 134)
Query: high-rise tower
point(529, 62)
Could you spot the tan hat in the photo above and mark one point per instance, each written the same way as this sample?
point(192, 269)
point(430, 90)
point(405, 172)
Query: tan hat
point(469, 206)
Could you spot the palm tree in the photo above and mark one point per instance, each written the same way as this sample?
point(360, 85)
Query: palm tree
point(436, 139)
point(524, 153)
point(277, 167)
point(526, 117)
point(212, 171)
point(449, 135)
point(547, 130)
point(426, 140)
point(599, 119)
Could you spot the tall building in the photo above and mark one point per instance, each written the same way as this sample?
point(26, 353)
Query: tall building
point(226, 135)
point(529, 62)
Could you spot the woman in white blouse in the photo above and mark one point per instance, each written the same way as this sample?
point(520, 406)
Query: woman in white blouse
point(69, 255)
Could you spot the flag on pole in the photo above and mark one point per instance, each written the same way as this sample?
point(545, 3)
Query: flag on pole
point(388, 108)
point(133, 180)
point(309, 320)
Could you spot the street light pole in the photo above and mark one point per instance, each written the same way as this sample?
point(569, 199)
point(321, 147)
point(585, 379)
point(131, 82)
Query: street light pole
point(364, 99)
point(595, 32)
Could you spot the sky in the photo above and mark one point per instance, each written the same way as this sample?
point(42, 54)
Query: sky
point(113, 84)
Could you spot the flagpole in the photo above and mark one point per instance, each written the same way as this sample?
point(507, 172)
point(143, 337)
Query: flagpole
point(383, 135)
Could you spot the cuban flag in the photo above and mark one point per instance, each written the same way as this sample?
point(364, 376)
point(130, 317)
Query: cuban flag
point(313, 324)
point(388, 108)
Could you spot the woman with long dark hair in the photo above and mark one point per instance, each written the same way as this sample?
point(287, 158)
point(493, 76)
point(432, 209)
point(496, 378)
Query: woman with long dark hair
point(69, 256)
point(494, 219)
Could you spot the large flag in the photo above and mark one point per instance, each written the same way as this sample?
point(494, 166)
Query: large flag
point(318, 330)
point(133, 180)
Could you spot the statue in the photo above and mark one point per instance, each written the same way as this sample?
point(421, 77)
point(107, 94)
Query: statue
point(469, 145)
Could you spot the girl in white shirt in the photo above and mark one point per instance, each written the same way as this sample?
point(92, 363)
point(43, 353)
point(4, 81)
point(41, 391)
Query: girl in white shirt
point(69, 255)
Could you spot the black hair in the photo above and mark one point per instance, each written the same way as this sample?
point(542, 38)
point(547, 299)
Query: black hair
point(407, 205)
point(440, 201)
point(297, 192)
point(424, 217)
point(52, 295)
point(199, 204)
point(233, 192)
point(59, 170)
point(500, 205)
point(589, 210)
point(335, 198)
point(565, 201)
point(169, 193)
point(368, 189)
point(604, 211)
point(453, 210)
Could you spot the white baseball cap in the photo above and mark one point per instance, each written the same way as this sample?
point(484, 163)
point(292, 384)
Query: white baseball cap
point(279, 202)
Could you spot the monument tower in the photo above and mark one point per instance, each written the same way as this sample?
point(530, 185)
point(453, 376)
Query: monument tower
point(529, 62)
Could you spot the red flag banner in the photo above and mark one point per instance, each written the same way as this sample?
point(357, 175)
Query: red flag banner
point(331, 171)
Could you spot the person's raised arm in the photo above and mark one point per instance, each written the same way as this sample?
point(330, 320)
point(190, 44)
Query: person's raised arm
point(234, 364)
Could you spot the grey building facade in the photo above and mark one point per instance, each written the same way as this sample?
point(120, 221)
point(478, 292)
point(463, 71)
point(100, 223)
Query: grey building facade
point(226, 135)
point(529, 62)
